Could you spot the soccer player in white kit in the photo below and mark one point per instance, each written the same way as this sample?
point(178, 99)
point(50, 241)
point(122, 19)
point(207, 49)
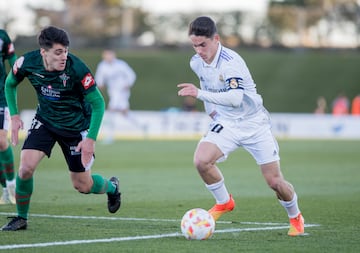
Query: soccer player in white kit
point(239, 120)
point(118, 77)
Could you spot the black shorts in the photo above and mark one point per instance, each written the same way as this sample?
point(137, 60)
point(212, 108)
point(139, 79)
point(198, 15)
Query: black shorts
point(41, 138)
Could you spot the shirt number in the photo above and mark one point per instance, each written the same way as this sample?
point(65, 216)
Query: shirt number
point(217, 128)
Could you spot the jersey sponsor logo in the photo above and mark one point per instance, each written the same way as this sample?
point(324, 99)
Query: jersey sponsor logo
point(18, 63)
point(216, 90)
point(88, 81)
point(234, 83)
point(50, 93)
point(64, 78)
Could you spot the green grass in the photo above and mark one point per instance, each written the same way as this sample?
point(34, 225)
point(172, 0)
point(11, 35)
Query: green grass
point(158, 181)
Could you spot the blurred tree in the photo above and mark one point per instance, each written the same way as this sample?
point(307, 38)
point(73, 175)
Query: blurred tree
point(235, 27)
point(108, 22)
point(119, 23)
point(298, 16)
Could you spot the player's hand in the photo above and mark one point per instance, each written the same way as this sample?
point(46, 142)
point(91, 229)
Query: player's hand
point(16, 125)
point(187, 89)
point(87, 148)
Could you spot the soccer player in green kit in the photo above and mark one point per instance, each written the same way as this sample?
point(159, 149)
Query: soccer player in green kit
point(7, 175)
point(70, 110)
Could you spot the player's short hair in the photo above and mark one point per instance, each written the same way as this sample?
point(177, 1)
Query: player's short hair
point(52, 35)
point(202, 26)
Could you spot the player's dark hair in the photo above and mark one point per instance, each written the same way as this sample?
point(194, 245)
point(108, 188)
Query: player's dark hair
point(52, 35)
point(203, 26)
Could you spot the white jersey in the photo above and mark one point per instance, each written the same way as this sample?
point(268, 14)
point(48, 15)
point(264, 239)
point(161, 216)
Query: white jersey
point(118, 77)
point(115, 75)
point(227, 88)
point(230, 98)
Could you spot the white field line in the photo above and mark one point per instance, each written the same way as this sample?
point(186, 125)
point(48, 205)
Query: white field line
point(137, 219)
point(268, 226)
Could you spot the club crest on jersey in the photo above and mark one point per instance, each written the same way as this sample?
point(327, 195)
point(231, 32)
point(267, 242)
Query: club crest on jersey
point(88, 81)
point(64, 78)
point(234, 82)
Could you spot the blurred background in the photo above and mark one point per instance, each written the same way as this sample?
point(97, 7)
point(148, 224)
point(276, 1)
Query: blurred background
point(129, 23)
point(302, 53)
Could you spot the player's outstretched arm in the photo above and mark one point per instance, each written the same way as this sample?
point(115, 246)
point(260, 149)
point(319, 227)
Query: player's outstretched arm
point(187, 89)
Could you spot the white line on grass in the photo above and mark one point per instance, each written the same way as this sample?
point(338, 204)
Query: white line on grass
point(136, 219)
point(269, 226)
point(132, 238)
point(116, 239)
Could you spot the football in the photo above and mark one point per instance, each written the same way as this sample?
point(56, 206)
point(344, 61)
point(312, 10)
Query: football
point(197, 224)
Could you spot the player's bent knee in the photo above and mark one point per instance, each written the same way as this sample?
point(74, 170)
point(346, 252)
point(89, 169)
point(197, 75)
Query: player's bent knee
point(202, 165)
point(82, 188)
point(274, 184)
point(26, 173)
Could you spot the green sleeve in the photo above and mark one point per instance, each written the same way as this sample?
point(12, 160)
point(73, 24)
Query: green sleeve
point(98, 108)
point(11, 94)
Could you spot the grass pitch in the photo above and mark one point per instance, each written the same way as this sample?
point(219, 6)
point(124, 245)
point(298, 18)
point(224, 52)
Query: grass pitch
point(159, 184)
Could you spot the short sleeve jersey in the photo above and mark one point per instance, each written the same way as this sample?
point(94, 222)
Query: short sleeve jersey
point(227, 71)
point(6, 51)
point(60, 94)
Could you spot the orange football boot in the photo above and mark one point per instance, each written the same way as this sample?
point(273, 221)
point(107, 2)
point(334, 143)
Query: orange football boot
point(219, 209)
point(296, 226)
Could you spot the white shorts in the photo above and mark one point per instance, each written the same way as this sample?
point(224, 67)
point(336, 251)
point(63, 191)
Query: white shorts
point(253, 134)
point(119, 100)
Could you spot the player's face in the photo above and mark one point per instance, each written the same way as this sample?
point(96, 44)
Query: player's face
point(108, 56)
point(205, 47)
point(55, 58)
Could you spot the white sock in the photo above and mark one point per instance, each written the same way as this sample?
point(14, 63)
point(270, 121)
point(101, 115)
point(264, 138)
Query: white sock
point(219, 191)
point(11, 182)
point(291, 207)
